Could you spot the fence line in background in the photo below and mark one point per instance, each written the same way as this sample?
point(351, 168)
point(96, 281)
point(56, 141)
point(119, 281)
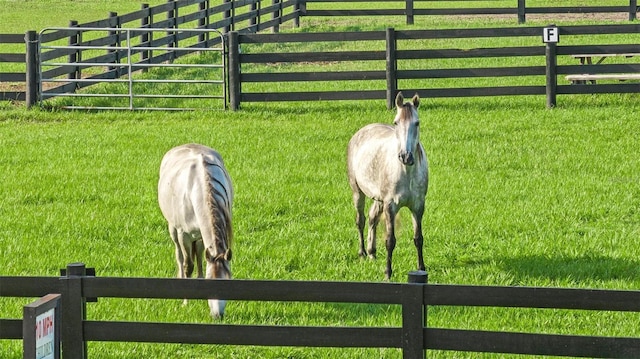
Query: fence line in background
point(239, 73)
point(409, 9)
point(13, 77)
point(78, 285)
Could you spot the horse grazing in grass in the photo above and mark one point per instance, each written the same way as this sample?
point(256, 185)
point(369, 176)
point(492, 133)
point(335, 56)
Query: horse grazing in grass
point(195, 196)
point(389, 165)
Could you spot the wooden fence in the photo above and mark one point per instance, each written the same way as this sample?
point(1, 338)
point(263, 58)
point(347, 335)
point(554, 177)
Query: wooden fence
point(397, 48)
point(11, 90)
point(409, 9)
point(241, 16)
point(78, 287)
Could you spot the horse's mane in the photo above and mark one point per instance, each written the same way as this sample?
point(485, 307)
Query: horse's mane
point(420, 154)
point(407, 108)
point(220, 212)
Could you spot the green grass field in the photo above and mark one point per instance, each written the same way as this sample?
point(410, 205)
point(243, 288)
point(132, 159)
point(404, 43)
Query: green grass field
point(520, 196)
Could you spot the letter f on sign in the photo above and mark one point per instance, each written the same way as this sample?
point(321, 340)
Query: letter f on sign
point(550, 34)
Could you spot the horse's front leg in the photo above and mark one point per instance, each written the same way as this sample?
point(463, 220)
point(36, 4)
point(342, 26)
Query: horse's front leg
point(418, 239)
point(390, 211)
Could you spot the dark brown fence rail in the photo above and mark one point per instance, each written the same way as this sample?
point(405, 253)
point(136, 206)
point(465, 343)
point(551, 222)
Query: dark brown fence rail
point(411, 8)
point(413, 337)
point(12, 84)
point(397, 48)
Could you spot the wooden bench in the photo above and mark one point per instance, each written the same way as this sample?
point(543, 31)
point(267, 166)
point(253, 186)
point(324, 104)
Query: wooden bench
point(579, 79)
point(587, 59)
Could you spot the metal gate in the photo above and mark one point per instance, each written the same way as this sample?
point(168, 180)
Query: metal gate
point(133, 68)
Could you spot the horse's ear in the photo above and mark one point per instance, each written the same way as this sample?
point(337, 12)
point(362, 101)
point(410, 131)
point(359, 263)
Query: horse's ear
point(399, 100)
point(227, 255)
point(416, 100)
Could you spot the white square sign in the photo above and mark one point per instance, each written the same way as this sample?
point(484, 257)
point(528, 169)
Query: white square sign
point(550, 35)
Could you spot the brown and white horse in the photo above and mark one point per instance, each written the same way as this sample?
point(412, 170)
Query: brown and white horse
point(195, 196)
point(389, 165)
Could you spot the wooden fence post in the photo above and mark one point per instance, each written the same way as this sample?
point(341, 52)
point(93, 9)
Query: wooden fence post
point(234, 71)
point(227, 16)
point(73, 312)
point(522, 12)
point(203, 23)
point(277, 15)
point(551, 71)
point(409, 11)
point(302, 10)
point(114, 22)
point(31, 60)
point(633, 9)
point(145, 37)
point(255, 17)
point(392, 67)
point(76, 56)
point(413, 316)
point(296, 11)
point(172, 16)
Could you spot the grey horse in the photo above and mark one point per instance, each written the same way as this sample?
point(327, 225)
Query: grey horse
point(389, 165)
point(195, 196)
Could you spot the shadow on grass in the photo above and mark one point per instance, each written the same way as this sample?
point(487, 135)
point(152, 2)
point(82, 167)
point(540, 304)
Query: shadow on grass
point(585, 268)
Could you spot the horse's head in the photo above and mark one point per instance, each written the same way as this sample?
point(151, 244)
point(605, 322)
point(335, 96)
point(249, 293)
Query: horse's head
point(407, 127)
point(218, 267)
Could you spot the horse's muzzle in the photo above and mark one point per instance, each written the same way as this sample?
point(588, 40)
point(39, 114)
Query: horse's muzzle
point(406, 158)
point(216, 307)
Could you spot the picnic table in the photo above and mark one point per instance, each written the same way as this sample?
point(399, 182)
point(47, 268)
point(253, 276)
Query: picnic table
point(588, 59)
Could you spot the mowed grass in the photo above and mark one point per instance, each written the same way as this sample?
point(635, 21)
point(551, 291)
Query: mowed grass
point(519, 195)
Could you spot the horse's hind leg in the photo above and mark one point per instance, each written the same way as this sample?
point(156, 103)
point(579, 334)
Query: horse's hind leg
point(198, 251)
point(358, 202)
point(418, 239)
point(187, 247)
point(374, 217)
point(173, 232)
point(390, 211)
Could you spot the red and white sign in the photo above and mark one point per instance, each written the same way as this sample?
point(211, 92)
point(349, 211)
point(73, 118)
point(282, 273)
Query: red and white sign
point(45, 335)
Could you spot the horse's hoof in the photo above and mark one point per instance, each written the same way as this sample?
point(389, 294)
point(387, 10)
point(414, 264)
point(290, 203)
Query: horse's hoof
point(387, 276)
point(372, 256)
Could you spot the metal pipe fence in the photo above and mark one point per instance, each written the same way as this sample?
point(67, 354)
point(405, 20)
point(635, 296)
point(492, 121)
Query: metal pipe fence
point(125, 66)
